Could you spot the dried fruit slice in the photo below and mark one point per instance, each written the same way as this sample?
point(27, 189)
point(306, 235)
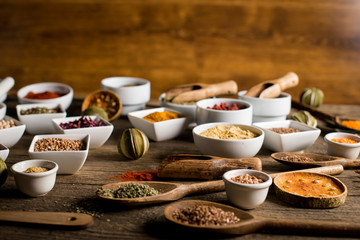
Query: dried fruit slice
point(95, 110)
point(106, 99)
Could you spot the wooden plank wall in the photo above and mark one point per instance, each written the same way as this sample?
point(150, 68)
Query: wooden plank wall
point(183, 41)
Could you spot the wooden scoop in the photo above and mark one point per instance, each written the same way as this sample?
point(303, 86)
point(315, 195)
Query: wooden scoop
point(64, 219)
point(250, 223)
point(198, 91)
point(174, 191)
point(273, 88)
point(313, 160)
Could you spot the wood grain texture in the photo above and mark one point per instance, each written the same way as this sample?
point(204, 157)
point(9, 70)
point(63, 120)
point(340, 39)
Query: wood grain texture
point(182, 41)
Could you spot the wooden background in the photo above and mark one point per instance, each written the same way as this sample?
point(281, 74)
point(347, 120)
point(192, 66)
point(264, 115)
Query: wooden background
point(183, 41)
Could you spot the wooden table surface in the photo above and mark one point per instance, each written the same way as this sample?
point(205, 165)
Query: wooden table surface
point(77, 192)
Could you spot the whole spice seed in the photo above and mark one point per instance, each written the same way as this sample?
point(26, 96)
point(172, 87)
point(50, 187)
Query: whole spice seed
point(38, 110)
point(82, 122)
point(284, 130)
point(205, 215)
point(130, 190)
point(296, 158)
point(58, 144)
point(6, 124)
point(247, 179)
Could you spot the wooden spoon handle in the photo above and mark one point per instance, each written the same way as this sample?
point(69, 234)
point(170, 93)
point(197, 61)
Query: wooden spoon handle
point(65, 219)
point(289, 80)
point(330, 170)
point(351, 163)
point(317, 113)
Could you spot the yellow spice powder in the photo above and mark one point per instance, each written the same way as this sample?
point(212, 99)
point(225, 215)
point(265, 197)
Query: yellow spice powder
point(36, 170)
point(228, 132)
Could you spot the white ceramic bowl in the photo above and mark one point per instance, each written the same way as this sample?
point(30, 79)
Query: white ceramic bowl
point(158, 131)
point(241, 116)
point(69, 161)
point(4, 152)
point(2, 110)
point(246, 196)
point(240, 148)
point(35, 184)
point(134, 92)
point(268, 109)
point(345, 150)
point(290, 142)
point(98, 135)
point(10, 136)
point(3, 98)
point(63, 89)
point(189, 110)
point(40, 123)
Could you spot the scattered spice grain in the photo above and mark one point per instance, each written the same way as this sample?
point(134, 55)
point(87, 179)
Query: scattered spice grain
point(58, 144)
point(247, 179)
point(296, 158)
point(130, 190)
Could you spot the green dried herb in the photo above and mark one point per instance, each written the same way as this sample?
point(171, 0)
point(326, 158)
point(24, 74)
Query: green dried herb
point(39, 110)
point(130, 190)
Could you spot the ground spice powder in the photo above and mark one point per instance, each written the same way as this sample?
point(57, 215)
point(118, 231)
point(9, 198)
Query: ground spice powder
point(161, 116)
point(138, 176)
point(42, 95)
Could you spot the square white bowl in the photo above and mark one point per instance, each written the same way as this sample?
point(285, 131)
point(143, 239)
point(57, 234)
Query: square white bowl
point(98, 135)
point(69, 161)
point(10, 136)
point(40, 123)
point(289, 142)
point(158, 131)
point(4, 152)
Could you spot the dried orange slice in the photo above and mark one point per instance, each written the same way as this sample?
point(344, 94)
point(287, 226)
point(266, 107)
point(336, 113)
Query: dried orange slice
point(106, 99)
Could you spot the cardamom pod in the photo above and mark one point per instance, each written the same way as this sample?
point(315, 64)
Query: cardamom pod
point(313, 97)
point(304, 117)
point(133, 143)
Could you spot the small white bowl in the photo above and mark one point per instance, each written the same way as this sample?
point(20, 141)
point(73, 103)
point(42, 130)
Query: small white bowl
point(3, 98)
point(69, 161)
point(241, 116)
point(246, 196)
point(189, 110)
point(99, 135)
point(39, 123)
point(239, 148)
point(10, 136)
point(65, 90)
point(35, 184)
point(268, 109)
point(158, 131)
point(2, 110)
point(133, 92)
point(289, 142)
point(4, 152)
point(345, 150)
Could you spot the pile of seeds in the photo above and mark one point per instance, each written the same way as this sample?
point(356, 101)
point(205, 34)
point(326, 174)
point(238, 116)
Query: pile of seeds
point(296, 158)
point(82, 122)
point(247, 179)
point(284, 130)
point(6, 124)
point(58, 144)
point(205, 215)
point(130, 190)
point(38, 110)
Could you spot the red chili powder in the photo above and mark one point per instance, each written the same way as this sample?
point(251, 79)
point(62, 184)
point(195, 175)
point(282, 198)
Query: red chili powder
point(42, 95)
point(138, 176)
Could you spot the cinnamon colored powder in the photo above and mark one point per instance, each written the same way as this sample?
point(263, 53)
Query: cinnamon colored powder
point(138, 176)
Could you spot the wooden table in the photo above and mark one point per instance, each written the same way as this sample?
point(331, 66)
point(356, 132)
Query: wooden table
point(77, 192)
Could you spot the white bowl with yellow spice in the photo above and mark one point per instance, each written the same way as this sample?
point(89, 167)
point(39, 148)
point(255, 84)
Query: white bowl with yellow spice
point(159, 124)
point(228, 140)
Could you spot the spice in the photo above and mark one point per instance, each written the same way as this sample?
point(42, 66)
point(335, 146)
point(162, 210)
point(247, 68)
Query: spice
point(42, 95)
point(38, 110)
point(82, 122)
point(6, 124)
point(228, 132)
point(344, 140)
point(205, 215)
point(225, 106)
point(284, 130)
point(36, 170)
point(58, 144)
point(296, 158)
point(133, 143)
point(352, 124)
point(138, 176)
point(161, 116)
point(247, 179)
point(130, 190)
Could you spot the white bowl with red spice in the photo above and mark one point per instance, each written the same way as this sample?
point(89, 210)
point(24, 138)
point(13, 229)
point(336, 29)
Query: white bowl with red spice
point(228, 140)
point(46, 92)
point(98, 128)
point(69, 151)
point(288, 135)
point(343, 144)
point(224, 110)
point(160, 130)
point(35, 183)
point(11, 131)
point(246, 188)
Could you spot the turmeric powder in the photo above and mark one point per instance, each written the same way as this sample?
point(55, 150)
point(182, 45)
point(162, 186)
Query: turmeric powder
point(161, 116)
point(352, 124)
point(344, 140)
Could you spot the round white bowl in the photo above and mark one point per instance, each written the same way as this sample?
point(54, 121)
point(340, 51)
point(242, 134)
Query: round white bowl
point(246, 196)
point(268, 109)
point(10, 136)
point(345, 150)
point(241, 116)
point(228, 148)
point(3, 98)
point(189, 110)
point(35, 184)
point(4, 152)
point(133, 92)
point(2, 110)
point(65, 90)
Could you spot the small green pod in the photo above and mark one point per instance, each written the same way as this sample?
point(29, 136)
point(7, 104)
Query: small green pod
point(304, 117)
point(133, 143)
point(313, 97)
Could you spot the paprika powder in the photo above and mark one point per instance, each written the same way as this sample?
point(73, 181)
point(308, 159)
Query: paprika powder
point(138, 176)
point(42, 95)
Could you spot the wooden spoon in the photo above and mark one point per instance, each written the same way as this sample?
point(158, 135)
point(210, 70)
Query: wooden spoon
point(313, 160)
point(250, 223)
point(273, 88)
point(64, 219)
point(174, 191)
